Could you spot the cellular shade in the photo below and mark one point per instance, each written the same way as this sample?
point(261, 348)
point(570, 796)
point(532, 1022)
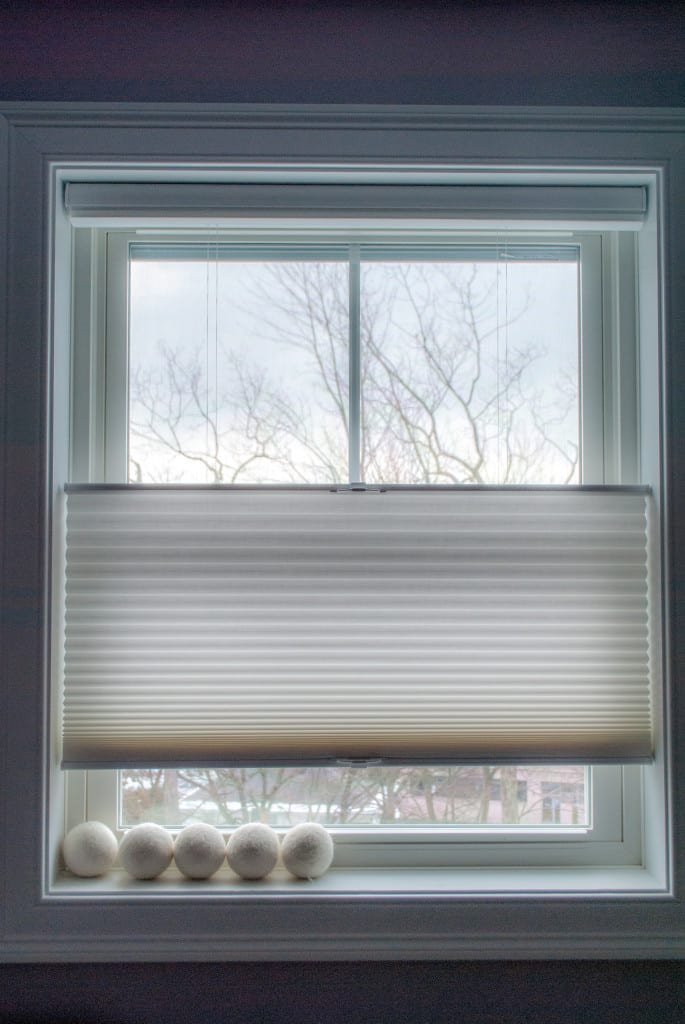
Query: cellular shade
point(227, 626)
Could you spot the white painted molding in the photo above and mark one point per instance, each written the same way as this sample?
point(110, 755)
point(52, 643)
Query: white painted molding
point(360, 947)
point(69, 113)
point(35, 140)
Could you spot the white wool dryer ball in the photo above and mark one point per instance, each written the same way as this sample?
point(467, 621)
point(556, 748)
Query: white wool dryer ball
point(252, 850)
point(307, 850)
point(199, 850)
point(146, 851)
point(89, 849)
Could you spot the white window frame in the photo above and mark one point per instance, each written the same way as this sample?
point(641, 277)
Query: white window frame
point(612, 835)
point(378, 913)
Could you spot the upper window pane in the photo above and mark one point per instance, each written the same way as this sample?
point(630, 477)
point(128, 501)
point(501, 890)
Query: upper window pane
point(468, 367)
point(470, 372)
point(238, 371)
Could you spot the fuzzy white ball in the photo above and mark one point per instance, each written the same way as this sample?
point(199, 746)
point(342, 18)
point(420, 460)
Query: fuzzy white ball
point(252, 850)
point(146, 851)
point(199, 850)
point(89, 849)
point(307, 850)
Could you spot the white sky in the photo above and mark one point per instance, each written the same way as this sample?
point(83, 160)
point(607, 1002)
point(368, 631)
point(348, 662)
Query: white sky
point(221, 310)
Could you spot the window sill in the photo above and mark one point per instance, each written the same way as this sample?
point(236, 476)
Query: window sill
point(352, 884)
point(358, 914)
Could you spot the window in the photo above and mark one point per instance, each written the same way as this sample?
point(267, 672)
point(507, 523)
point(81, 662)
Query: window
point(321, 358)
point(611, 894)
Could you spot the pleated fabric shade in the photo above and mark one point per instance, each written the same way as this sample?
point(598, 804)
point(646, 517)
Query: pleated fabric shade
point(225, 626)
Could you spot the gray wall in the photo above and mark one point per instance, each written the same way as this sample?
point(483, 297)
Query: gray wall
point(598, 54)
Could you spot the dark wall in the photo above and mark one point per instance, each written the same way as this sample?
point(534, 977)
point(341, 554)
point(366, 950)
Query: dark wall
point(598, 54)
point(315, 51)
point(383, 993)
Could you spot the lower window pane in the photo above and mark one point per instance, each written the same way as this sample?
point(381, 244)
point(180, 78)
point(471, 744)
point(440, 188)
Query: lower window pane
point(357, 797)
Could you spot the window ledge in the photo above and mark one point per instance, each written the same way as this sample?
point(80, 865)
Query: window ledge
point(345, 884)
point(359, 914)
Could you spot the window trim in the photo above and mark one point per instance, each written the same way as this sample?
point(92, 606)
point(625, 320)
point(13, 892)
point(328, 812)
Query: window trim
point(390, 920)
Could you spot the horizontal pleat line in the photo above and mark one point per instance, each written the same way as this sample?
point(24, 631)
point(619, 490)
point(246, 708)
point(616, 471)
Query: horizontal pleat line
point(287, 676)
point(343, 610)
point(365, 572)
point(194, 603)
point(592, 690)
point(437, 592)
point(180, 551)
point(276, 507)
point(247, 612)
point(90, 654)
point(146, 524)
point(312, 548)
point(464, 624)
point(558, 651)
point(377, 718)
point(353, 668)
point(530, 619)
point(369, 633)
point(376, 712)
point(525, 577)
point(351, 674)
point(347, 593)
point(417, 730)
point(300, 723)
point(385, 712)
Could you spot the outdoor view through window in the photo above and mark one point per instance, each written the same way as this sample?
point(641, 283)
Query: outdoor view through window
point(457, 367)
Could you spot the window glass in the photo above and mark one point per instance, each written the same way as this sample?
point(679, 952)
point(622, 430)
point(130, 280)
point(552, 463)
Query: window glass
point(470, 372)
point(239, 371)
point(470, 795)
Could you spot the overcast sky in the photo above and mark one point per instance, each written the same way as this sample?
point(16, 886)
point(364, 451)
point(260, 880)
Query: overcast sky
point(224, 311)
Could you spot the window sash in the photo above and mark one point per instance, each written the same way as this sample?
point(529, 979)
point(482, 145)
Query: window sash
point(355, 252)
point(99, 421)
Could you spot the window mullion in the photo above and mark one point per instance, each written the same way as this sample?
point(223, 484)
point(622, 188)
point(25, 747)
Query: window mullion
point(354, 387)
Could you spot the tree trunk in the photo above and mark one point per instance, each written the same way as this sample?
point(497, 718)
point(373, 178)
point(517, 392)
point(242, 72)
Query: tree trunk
point(510, 803)
point(484, 808)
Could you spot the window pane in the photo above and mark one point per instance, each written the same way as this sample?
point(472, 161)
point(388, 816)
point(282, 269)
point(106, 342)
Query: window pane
point(238, 371)
point(357, 797)
point(470, 372)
